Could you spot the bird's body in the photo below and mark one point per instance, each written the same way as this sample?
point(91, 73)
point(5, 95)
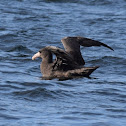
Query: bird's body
point(69, 62)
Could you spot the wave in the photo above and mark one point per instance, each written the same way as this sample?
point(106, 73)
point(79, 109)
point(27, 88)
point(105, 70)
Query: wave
point(91, 2)
point(19, 48)
point(43, 93)
point(5, 35)
point(109, 59)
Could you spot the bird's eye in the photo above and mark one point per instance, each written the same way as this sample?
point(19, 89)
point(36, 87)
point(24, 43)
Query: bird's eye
point(40, 51)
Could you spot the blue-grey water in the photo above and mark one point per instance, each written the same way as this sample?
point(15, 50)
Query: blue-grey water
point(28, 25)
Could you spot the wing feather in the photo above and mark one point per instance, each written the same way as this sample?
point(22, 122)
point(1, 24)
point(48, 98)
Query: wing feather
point(89, 42)
point(63, 60)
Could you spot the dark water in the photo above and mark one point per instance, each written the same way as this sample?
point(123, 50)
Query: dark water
point(28, 25)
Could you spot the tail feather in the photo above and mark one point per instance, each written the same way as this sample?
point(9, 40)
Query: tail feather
point(85, 72)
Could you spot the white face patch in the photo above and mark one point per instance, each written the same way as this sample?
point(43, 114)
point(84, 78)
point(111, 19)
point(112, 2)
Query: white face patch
point(36, 56)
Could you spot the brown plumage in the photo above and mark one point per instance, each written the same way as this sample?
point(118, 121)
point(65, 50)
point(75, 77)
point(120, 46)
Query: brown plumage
point(69, 62)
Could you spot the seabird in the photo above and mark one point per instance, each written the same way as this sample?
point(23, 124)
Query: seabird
point(69, 63)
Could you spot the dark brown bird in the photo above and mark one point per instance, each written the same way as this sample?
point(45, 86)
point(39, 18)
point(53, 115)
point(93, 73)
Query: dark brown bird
point(69, 63)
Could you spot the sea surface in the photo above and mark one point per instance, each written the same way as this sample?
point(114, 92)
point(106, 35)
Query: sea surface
point(29, 25)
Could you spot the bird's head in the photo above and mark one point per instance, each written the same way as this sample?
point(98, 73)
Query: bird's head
point(41, 53)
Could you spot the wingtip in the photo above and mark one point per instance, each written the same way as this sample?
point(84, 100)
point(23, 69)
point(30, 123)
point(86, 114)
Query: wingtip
point(105, 45)
point(111, 48)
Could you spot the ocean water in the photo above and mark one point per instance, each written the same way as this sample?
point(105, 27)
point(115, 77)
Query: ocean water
point(29, 25)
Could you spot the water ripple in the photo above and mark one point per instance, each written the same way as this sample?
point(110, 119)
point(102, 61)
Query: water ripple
point(19, 48)
point(26, 99)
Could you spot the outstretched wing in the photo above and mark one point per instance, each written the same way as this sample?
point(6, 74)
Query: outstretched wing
point(72, 46)
point(63, 60)
point(75, 42)
point(89, 42)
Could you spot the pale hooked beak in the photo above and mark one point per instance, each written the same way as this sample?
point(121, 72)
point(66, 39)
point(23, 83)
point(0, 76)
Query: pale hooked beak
point(36, 56)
